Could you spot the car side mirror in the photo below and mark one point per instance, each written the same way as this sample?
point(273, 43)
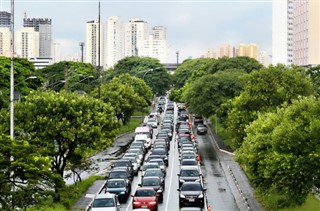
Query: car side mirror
point(204, 189)
point(139, 185)
point(178, 189)
point(178, 175)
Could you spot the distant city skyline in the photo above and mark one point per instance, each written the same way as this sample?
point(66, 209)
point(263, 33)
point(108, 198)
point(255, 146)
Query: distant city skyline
point(192, 27)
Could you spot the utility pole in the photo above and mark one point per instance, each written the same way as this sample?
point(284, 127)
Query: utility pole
point(99, 70)
point(81, 48)
point(12, 73)
point(177, 58)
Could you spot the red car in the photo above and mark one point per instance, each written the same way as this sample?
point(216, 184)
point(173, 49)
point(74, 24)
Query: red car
point(145, 197)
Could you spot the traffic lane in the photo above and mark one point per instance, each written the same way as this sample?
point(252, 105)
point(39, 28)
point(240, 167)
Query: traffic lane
point(219, 195)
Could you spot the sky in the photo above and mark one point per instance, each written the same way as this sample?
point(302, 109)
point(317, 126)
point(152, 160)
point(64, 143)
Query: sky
point(192, 26)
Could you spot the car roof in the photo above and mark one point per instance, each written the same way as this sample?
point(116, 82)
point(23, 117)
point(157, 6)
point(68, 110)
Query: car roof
point(105, 195)
point(189, 168)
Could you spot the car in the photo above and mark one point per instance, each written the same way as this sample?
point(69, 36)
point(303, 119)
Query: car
point(190, 209)
point(153, 122)
point(155, 183)
point(105, 202)
point(163, 154)
point(155, 173)
point(149, 166)
point(135, 164)
point(123, 163)
point(189, 162)
point(202, 129)
point(189, 174)
point(191, 194)
point(145, 197)
point(197, 120)
point(119, 187)
point(161, 164)
point(120, 173)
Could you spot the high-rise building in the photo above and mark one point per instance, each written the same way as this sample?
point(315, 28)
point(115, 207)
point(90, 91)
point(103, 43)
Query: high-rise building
point(296, 32)
point(264, 58)
point(115, 40)
point(5, 41)
point(249, 50)
point(136, 33)
point(56, 56)
point(5, 19)
point(95, 43)
point(226, 51)
point(242, 50)
point(156, 46)
point(27, 43)
point(282, 20)
point(44, 27)
point(306, 32)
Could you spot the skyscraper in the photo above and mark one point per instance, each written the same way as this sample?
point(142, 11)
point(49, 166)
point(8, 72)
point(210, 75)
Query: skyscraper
point(43, 26)
point(5, 41)
point(93, 38)
point(115, 40)
point(28, 43)
point(136, 32)
point(296, 32)
point(306, 32)
point(5, 19)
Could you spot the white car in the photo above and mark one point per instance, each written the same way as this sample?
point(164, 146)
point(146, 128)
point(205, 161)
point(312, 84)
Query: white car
point(105, 202)
point(153, 122)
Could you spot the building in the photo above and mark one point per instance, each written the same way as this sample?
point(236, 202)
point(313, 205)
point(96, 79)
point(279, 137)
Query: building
point(56, 55)
point(5, 41)
point(115, 40)
point(226, 51)
point(242, 50)
point(249, 50)
point(5, 19)
point(282, 20)
point(44, 27)
point(27, 43)
point(40, 63)
point(136, 33)
point(156, 46)
point(306, 32)
point(264, 58)
point(95, 43)
point(296, 32)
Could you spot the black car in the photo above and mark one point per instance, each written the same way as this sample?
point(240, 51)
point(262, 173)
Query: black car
point(156, 173)
point(197, 120)
point(191, 194)
point(119, 187)
point(120, 174)
point(189, 174)
point(123, 163)
point(163, 153)
point(155, 183)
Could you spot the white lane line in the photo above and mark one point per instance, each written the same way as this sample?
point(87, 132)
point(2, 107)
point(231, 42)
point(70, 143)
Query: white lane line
point(171, 176)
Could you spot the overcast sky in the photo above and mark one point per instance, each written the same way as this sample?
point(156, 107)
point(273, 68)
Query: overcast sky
point(192, 26)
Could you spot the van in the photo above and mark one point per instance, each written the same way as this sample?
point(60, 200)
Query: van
point(143, 138)
point(144, 130)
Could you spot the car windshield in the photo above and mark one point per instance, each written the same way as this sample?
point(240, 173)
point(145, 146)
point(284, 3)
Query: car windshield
point(116, 175)
point(152, 173)
point(116, 184)
point(191, 187)
point(150, 182)
point(120, 164)
point(145, 167)
point(145, 193)
point(189, 173)
point(103, 202)
point(189, 162)
point(159, 152)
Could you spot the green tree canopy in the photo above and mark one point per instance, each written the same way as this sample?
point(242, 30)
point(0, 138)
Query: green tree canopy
point(80, 76)
point(206, 94)
point(23, 69)
point(158, 79)
point(263, 92)
point(281, 152)
point(61, 125)
point(314, 73)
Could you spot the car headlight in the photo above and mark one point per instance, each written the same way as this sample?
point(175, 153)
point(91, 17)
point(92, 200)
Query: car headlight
point(136, 202)
point(159, 191)
point(152, 202)
point(181, 180)
point(123, 192)
point(200, 196)
point(182, 196)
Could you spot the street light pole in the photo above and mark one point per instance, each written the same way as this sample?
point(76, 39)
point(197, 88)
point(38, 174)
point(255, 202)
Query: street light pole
point(12, 73)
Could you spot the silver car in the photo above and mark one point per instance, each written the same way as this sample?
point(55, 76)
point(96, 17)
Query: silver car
point(105, 202)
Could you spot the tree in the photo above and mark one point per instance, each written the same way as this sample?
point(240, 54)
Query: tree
point(80, 76)
point(122, 97)
point(22, 70)
point(263, 92)
point(158, 79)
point(314, 73)
point(206, 94)
point(25, 176)
point(61, 125)
point(281, 152)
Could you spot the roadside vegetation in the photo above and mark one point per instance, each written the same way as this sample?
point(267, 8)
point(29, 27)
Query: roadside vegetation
point(267, 115)
point(63, 118)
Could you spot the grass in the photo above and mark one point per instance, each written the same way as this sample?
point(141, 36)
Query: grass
point(132, 124)
point(311, 204)
point(69, 196)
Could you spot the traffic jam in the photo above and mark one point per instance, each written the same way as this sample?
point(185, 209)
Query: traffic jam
point(147, 159)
